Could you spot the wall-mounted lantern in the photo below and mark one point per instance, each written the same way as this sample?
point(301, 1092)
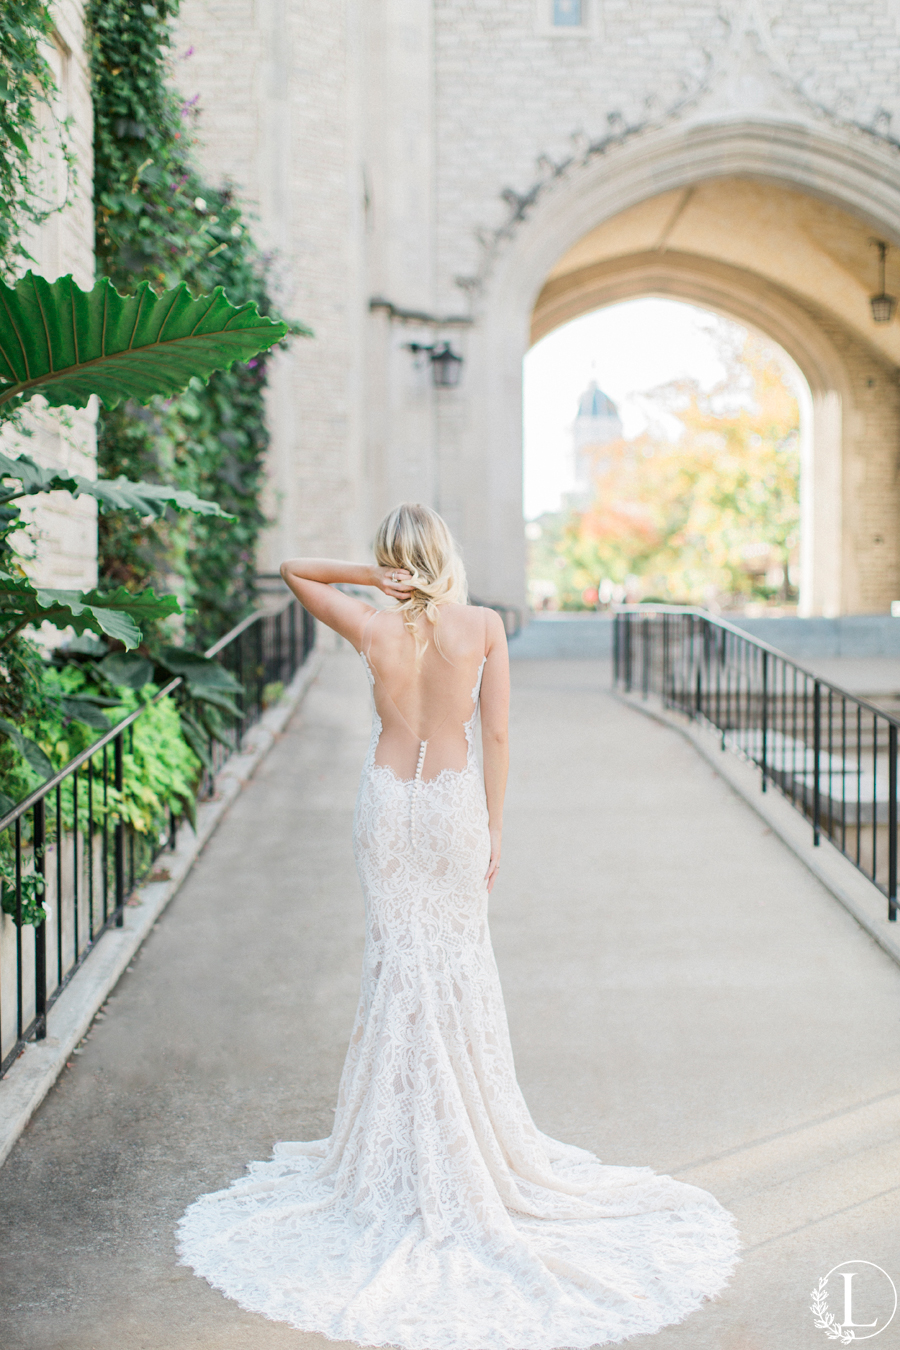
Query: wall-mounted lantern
point(882, 304)
point(446, 364)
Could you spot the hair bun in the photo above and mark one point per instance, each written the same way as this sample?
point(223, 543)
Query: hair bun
point(415, 538)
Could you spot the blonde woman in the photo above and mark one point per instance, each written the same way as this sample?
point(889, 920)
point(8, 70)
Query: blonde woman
point(437, 1216)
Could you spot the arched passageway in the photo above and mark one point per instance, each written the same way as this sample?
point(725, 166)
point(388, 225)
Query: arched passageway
point(774, 231)
point(662, 457)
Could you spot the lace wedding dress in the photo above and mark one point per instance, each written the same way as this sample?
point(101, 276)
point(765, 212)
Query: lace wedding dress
point(437, 1216)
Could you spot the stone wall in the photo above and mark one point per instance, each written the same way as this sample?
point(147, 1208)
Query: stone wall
point(65, 530)
point(278, 121)
point(510, 91)
point(443, 156)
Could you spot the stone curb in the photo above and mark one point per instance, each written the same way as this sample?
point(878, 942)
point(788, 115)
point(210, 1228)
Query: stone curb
point(31, 1077)
point(836, 873)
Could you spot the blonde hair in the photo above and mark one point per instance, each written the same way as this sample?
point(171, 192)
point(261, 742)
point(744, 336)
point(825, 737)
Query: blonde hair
point(415, 538)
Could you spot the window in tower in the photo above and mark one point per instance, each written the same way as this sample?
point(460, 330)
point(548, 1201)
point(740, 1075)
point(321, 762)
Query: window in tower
point(568, 13)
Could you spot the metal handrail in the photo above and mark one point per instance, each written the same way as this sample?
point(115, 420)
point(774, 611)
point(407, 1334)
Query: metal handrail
point(242, 627)
point(50, 783)
point(41, 791)
point(757, 642)
point(84, 872)
point(829, 752)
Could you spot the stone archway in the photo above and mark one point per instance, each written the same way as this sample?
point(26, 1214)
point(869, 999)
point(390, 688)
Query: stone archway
point(541, 276)
point(778, 315)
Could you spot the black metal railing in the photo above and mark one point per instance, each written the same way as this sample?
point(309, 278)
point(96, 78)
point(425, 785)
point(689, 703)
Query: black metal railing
point(69, 854)
point(264, 652)
point(831, 754)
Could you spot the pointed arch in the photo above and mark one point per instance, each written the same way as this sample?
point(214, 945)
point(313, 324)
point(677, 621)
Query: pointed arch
point(841, 166)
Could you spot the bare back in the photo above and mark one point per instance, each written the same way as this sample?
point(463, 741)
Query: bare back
point(426, 706)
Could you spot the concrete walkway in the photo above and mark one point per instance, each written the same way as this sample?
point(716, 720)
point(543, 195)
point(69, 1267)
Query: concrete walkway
point(681, 992)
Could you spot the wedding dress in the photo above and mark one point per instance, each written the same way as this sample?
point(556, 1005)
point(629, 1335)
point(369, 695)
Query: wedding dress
point(437, 1216)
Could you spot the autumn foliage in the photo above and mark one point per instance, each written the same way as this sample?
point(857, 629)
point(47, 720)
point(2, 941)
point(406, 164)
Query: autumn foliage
point(702, 508)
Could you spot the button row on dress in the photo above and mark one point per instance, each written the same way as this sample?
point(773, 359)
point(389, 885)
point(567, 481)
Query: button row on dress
point(416, 781)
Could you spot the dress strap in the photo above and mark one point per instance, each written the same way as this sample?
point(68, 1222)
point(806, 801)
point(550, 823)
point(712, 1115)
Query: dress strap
point(366, 636)
point(476, 692)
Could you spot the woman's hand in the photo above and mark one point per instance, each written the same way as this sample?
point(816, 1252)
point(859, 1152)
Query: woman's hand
point(394, 581)
point(490, 875)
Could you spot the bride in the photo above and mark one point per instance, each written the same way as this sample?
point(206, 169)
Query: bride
point(437, 1216)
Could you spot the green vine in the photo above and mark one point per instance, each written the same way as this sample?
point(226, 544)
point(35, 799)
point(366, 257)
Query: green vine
point(26, 82)
point(156, 219)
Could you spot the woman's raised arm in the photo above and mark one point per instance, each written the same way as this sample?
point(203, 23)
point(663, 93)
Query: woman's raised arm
point(313, 581)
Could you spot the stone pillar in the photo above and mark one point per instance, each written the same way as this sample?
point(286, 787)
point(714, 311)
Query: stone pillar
point(279, 119)
point(398, 170)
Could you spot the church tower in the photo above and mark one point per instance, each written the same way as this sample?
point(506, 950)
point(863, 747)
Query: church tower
point(596, 424)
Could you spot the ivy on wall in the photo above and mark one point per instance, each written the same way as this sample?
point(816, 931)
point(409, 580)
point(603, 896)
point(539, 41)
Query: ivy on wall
point(157, 220)
point(26, 82)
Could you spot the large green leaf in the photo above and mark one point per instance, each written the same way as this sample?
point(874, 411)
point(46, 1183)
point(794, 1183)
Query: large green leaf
point(86, 710)
point(116, 613)
point(201, 673)
point(66, 344)
point(30, 751)
point(115, 494)
point(132, 671)
point(220, 701)
point(197, 738)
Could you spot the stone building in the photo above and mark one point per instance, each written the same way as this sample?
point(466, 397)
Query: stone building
point(597, 423)
point(479, 171)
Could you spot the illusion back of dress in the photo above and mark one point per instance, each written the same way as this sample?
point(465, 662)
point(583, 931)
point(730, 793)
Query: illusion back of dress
point(424, 694)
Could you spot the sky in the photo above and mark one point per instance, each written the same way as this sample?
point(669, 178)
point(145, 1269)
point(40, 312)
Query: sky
point(627, 348)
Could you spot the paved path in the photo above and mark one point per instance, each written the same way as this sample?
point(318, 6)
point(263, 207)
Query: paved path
point(682, 993)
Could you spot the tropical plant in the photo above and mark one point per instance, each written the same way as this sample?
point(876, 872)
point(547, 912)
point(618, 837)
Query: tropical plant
point(67, 344)
point(114, 613)
point(207, 690)
point(189, 353)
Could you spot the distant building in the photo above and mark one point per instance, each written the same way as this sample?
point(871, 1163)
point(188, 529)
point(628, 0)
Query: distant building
point(597, 424)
